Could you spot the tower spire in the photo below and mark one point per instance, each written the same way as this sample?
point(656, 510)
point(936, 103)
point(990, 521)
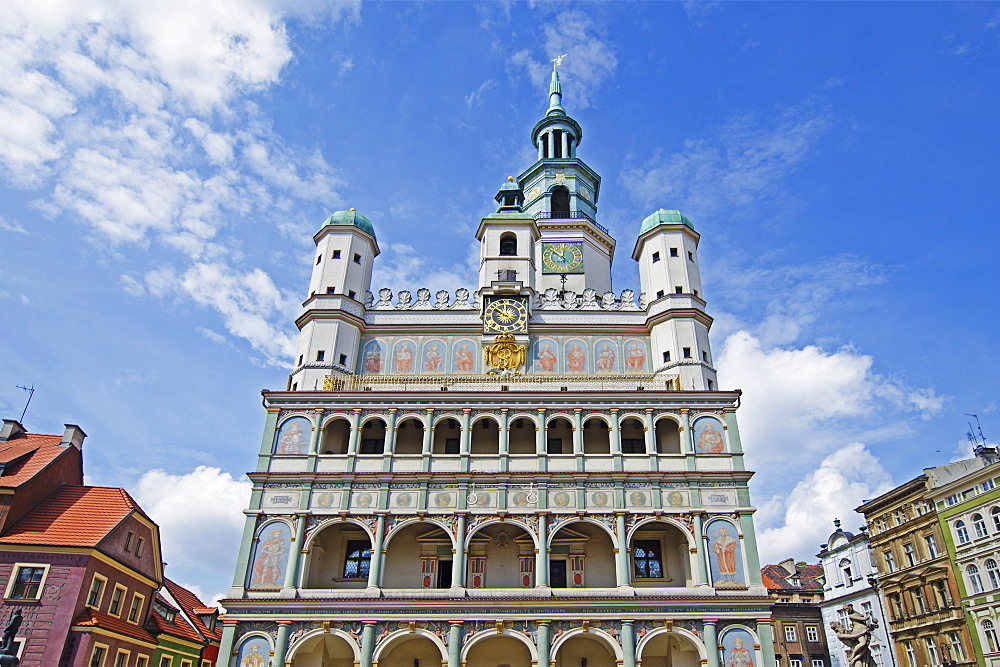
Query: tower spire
point(555, 88)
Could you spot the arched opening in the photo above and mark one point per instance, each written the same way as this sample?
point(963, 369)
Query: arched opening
point(560, 202)
point(582, 555)
point(521, 436)
point(633, 436)
point(596, 436)
point(411, 651)
point(559, 436)
point(501, 555)
point(447, 436)
point(336, 437)
point(339, 557)
point(372, 437)
point(660, 557)
point(668, 648)
point(324, 650)
point(508, 244)
point(668, 437)
point(585, 650)
point(485, 437)
point(409, 437)
point(418, 556)
point(499, 651)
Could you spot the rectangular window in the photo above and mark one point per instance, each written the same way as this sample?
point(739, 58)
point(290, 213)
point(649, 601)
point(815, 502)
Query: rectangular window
point(666, 356)
point(932, 548)
point(660, 294)
point(319, 258)
point(351, 294)
point(656, 257)
point(953, 500)
point(343, 359)
point(988, 485)
point(26, 584)
point(121, 658)
point(673, 252)
point(812, 633)
point(956, 646)
point(357, 559)
point(789, 633)
point(185, 663)
point(96, 591)
point(678, 289)
point(138, 546)
point(142, 661)
point(795, 662)
point(890, 561)
point(320, 355)
point(335, 255)
point(115, 608)
point(817, 663)
point(690, 255)
point(866, 607)
point(331, 290)
point(128, 540)
point(687, 352)
point(910, 553)
point(165, 661)
point(704, 356)
point(357, 258)
point(932, 651)
point(918, 599)
point(911, 655)
point(135, 610)
point(97, 655)
point(647, 559)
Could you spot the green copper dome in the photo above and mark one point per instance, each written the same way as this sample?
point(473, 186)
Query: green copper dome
point(351, 217)
point(664, 217)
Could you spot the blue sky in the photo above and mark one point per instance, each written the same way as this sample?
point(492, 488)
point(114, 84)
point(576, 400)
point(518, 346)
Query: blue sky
point(162, 170)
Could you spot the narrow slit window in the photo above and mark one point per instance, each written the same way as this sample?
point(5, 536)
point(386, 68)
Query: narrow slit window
point(687, 352)
point(320, 355)
point(673, 252)
point(656, 257)
point(660, 294)
point(666, 356)
point(319, 258)
point(343, 359)
point(357, 258)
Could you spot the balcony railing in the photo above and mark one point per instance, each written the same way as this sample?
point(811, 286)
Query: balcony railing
point(545, 215)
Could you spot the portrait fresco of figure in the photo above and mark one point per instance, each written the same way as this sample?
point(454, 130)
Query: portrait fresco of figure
point(371, 361)
point(576, 356)
point(464, 357)
point(433, 359)
point(708, 438)
point(725, 556)
point(545, 356)
point(271, 556)
point(403, 356)
point(635, 355)
point(293, 437)
point(737, 648)
point(606, 356)
point(254, 653)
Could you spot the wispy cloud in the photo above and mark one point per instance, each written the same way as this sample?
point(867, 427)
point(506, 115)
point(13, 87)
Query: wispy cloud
point(698, 10)
point(402, 268)
point(8, 226)
point(475, 98)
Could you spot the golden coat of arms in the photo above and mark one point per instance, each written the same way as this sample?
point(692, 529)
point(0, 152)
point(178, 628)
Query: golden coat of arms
point(505, 356)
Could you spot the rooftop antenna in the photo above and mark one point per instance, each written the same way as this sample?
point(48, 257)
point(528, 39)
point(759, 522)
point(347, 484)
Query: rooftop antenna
point(971, 434)
point(31, 392)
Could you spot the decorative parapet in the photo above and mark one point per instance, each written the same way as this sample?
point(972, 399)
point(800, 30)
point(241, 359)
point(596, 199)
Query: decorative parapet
point(550, 299)
point(630, 382)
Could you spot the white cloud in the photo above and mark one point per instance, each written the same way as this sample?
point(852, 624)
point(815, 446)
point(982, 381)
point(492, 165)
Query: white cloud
point(9, 226)
point(590, 58)
point(200, 515)
point(698, 10)
point(403, 268)
point(475, 98)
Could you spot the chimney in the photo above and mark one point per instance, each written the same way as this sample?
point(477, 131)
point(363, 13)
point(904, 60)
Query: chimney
point(73, 435)
point(11, 429)
point(789, 565)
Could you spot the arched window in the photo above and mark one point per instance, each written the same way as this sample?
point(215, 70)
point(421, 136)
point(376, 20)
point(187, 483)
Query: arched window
point(994, 573)
point(995, 512)
point(508, 245)
point(560, 202)
point(845, 569)
point(979, 525)
point(991, 635)
point(975, 583)
point(961, 532)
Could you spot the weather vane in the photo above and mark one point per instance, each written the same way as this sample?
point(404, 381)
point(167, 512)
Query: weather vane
point(557, 61)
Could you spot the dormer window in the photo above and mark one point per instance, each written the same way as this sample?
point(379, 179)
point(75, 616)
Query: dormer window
point(508, 245)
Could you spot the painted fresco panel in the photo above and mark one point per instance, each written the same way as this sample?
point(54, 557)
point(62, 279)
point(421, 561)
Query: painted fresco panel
point(270, 558)
point(546, 356)
point(635, 356)
point(293, 436)
point(253, 652)
point(575, 356)
point(737, 648)
point(708, 436)
point(606, 356)
point(432, 357)
point(675, 499)
point(325, 500)
point(372, 357)
point(404, 354)
point(463, 356)
point(725, 554)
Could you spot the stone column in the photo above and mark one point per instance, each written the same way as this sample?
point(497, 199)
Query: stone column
point(765, 632)
point(565, 144)
point(466, 441)
point(578, 438)
point(616, 441)
point(550, 137)
point(425, 464)
point(621, 553)
point(281, 643)
point(317, 434)
point(355, 438)
point(504, 438)
point(542, 642)
point(367, 643)
point(390, 440)
point(541, 148)
point(455, 644)
point(750, 549)
point(294, 557)
point(542, 553)
point(712, 644)
point(458, 570)
point(701, 555)
point(541, 450)
point(375, 566)
point(733, 438)
point(226, 647)
point(651, 452)
point(628, 644)
point(687, 443)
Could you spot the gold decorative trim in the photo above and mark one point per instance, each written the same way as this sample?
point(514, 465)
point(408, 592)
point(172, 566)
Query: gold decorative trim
point(360, 382)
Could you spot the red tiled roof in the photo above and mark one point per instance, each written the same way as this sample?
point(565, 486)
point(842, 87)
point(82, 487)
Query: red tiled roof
point(77, 516)
point(26, 455)
point(776, 577)
point(193, 606)
point(93, 618)
point(179, 628)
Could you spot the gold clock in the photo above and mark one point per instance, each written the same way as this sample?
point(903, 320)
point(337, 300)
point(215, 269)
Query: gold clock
point(505, 314)
point(563, 257)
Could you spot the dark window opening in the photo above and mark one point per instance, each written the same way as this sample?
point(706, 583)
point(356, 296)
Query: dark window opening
point(687, 352)
point(678, 289)
point(647, 559)
point(358, 559)
point(351, 294)
point(331, 290)
point(673, 252)
point(319, 258)
point(300, 360)
point(656, 257)
point(557, 573)
point(336, 254)
point(690, 255)
point(508, 245)
point(704, 356)
point(711, 386)
point(372, 445)
point(560, 202)
point(666, 356)
point(343, 359)
point(444, 574)
point(554, 446)
point(660, 294)
point(451, 445)
point(633, 446)
point(357, 258)
point(320, 355)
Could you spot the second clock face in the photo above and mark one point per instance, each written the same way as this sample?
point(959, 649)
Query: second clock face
point(564, 257)
point(505, 315)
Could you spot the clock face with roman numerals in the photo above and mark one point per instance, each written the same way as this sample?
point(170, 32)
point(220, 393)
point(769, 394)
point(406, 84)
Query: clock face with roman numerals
point(564, 257)
point(505, 314)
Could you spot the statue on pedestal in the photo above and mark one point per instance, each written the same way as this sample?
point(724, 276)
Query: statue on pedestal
point(8, 650)
point(858, 637)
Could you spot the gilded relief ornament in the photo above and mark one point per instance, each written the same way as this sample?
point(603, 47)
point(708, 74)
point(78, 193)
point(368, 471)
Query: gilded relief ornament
point(505, 356)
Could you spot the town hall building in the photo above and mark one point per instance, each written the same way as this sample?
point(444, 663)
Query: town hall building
point(536, 471)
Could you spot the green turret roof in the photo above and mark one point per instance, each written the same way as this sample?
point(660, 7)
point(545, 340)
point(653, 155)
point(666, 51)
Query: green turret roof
point(664, 217)
point(351, 217)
